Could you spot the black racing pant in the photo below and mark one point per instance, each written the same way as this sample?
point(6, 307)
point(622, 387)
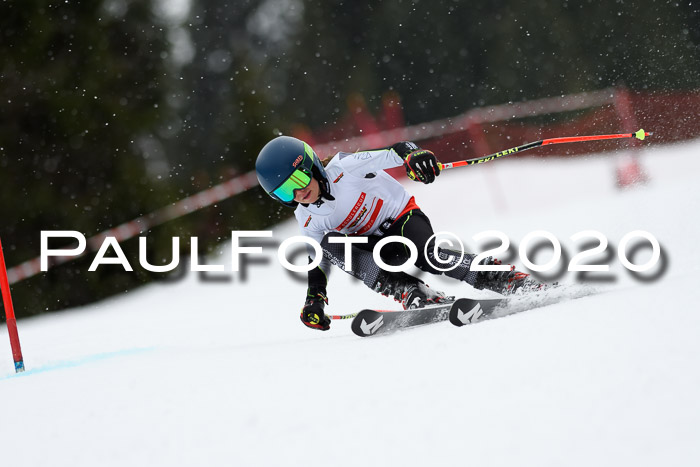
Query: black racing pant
point(414, 226)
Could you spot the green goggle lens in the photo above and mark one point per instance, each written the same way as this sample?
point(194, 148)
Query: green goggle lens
point(297, 181)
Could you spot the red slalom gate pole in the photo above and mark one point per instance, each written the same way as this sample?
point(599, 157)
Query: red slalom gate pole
point(10, 316)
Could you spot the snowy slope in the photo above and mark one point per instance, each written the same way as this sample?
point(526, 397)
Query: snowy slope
point(223, 373)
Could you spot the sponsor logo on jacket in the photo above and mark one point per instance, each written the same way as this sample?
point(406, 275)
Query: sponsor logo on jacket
point(359, 217)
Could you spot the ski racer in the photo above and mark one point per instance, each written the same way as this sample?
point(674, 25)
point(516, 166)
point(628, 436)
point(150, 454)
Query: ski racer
point(351, 195)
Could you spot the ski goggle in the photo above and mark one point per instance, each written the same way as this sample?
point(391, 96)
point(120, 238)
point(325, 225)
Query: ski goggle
point(299, 180)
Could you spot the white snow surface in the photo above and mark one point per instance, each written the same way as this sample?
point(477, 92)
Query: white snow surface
point(223, 373)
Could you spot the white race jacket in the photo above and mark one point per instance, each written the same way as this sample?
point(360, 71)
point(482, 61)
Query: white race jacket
point(365, 196)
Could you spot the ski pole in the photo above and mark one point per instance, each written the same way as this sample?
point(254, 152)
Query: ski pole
point(640, 135)
point(350, 316)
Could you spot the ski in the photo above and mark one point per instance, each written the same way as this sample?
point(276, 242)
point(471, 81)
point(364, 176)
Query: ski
point(469, 311)
point(375, 322)
point(460, 312)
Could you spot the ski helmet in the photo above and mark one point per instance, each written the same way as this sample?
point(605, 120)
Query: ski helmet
point(287, 164)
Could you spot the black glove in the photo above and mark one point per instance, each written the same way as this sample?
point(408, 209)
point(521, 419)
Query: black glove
point(312, 314)
point(421, 164)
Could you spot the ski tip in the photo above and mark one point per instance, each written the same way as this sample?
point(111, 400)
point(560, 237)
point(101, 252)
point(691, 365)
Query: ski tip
point(367, 322)
point(458, 310)
point(641, 134)
point(469, 310)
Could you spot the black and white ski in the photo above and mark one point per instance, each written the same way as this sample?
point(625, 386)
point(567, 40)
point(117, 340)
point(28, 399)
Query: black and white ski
point(374, 322)
point(463, 311)
point(469, 311)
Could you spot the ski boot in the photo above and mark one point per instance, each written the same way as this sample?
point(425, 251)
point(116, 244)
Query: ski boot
point(409, 291)
point(506, 282)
